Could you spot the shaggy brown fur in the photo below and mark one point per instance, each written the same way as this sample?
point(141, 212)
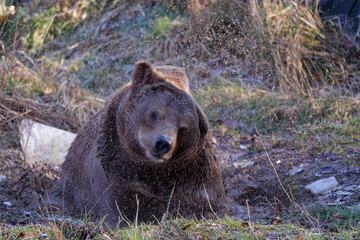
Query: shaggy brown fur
point(171, 74)
point(175, 76)
point(117, 159)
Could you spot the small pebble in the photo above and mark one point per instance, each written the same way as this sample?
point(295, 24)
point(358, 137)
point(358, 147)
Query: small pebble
point(2, 179)
point(9, 204)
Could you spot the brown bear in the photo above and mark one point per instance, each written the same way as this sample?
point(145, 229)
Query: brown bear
point(145, 153)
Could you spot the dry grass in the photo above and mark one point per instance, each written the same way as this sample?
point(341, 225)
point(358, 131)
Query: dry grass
point(308, 55)
point(29, 25)
point(225, 228)
point(284, 42)
point(29, 90)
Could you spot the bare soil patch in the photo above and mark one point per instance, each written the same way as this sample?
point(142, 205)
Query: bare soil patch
point(247, 173)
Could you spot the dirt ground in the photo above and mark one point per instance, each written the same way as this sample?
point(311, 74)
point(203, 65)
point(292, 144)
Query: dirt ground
point(249, 177)
point(263, 178)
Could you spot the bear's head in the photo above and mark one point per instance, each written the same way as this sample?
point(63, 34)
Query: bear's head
point(157, 122)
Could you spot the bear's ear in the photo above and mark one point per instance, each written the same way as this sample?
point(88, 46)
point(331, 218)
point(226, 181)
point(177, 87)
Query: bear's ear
point(203, 122)
point(143, 74)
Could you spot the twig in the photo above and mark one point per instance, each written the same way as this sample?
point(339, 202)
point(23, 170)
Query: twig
point(273, 166)
point(47, 30)
point(15, 35)
point(137, 212)
point(297, 206)
point(250, 226)
point(122, 216)
point(207, 197)
point(29, 58)
point(168, 206)
point(9, 110)
point(163, 220)
point(4, 24)
point(97, 201)
point(3, 48)
point(22, 104)
point(93, 230)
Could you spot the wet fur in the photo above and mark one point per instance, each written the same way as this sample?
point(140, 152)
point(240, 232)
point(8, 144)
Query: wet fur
point(105, 176)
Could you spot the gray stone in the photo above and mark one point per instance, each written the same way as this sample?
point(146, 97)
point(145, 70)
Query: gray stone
point(322, 185)
point(338, 200)
point(344, 193)
point(243, 164)
point(335, 203)
point(2, 179)
point(352, 188)
point(324, 197)
point(28, 214)
point(9, 204)
point(295, 170)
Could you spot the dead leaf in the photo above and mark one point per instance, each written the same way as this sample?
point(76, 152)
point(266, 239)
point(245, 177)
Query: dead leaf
point(245, 224)
point(186, 227)
point(276, 220)
point(335, 215)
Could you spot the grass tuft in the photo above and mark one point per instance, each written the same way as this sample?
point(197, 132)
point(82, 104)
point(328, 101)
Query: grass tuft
point(31, 25)
point(234, 110)
point(307, 54)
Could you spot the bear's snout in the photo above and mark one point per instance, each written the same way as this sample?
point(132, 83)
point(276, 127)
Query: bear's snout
point(162, 145)
point(158, 143)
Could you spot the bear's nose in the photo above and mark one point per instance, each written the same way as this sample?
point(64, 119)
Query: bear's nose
point(162, 144)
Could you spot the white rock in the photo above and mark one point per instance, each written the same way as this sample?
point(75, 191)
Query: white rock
point(27, 214)
point(352, 188)
point(335, 203)
point(295, 170)
point(344, 193)
point(2, 178)
point(338, 200)
point(9, 204)
point(324, 197)
point(322, 185)
point(243, 147)
point(243, 164)
point(43, 143)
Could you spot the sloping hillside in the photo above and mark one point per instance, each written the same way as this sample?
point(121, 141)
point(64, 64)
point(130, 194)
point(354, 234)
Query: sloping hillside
point(279, 86)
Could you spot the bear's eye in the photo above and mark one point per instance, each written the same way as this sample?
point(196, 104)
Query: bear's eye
point(154, 115)
point(182, 130)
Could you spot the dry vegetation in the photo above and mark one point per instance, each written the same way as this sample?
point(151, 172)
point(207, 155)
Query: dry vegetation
point(307, 54)
point(270, 64)
point(35, 87)
point(283, 43)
